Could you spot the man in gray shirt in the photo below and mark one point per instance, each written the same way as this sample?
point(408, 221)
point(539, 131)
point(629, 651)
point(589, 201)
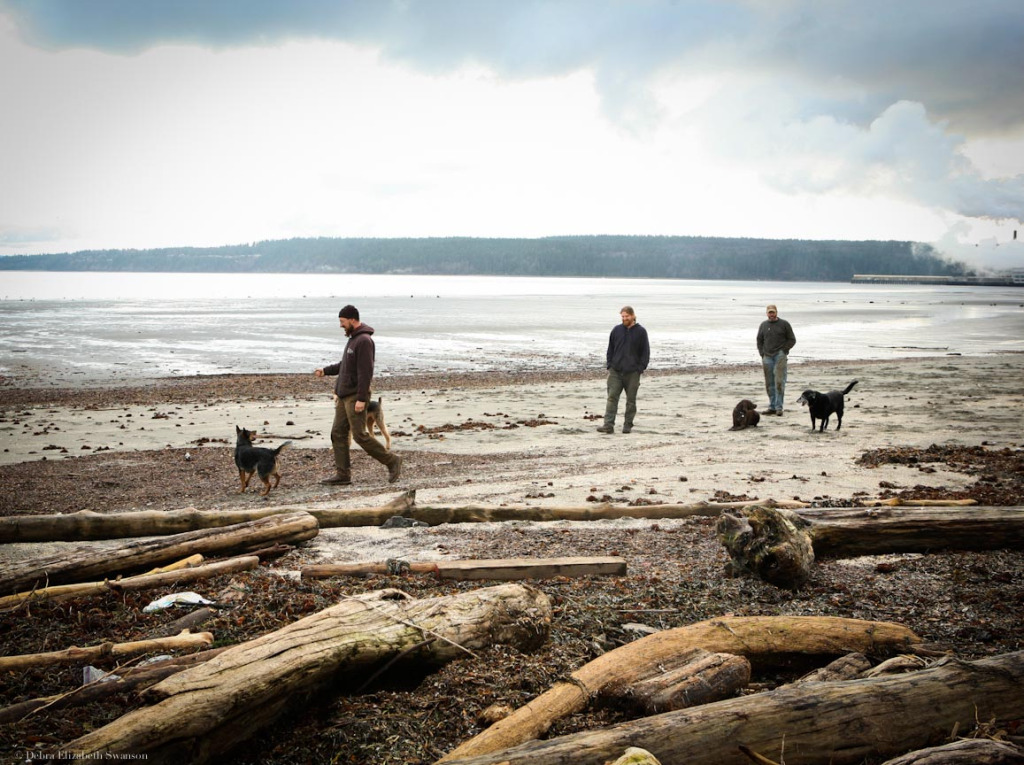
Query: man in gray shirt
point(775, 338)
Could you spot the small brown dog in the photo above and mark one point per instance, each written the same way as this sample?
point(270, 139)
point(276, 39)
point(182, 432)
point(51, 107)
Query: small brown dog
point(745, 415)
point(375, 417)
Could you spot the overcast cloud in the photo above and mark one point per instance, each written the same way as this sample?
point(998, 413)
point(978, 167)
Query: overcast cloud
point(138, 123)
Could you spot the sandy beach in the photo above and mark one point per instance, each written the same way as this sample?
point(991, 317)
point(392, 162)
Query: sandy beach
point(481, 440)
point(944, 427)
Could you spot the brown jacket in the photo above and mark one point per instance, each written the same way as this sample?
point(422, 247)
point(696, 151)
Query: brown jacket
point(355, 370)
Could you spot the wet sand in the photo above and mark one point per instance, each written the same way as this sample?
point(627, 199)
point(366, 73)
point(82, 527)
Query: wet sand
point(534, 436)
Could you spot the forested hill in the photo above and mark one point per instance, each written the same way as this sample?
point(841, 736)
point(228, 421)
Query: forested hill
point(619, 256)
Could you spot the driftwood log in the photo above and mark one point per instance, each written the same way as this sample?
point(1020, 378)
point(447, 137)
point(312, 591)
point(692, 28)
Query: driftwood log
point(142, 582)
point(780, 546)
point(190, 621)
point(85, 563)
point(876, 531)
point(848, 667)
point(89, 525)
point(840, 723)
point(756, 637)
point(204, 711)
point(501, 568)
point(689, 679)
point(89, 654)
point(119, 680)
point(974, 751)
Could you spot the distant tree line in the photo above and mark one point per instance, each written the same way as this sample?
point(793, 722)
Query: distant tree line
point(658, 257)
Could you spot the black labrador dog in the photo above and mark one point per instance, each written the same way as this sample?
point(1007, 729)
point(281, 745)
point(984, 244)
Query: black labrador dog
point(823, 405)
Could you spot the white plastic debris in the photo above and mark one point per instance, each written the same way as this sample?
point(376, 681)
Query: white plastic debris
point(177, 599)
point(92, 675)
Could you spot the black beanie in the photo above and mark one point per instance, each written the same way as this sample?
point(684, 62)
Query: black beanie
point(349, 312)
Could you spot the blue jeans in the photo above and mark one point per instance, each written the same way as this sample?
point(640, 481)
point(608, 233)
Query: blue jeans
point(618, 382)
point(776, 369)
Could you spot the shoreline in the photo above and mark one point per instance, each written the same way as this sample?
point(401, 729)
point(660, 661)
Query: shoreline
point(34, 391)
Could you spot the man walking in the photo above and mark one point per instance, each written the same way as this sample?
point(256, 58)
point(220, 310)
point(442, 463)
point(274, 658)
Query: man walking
point(351, 394)
point(775, 338)
point(626, 359)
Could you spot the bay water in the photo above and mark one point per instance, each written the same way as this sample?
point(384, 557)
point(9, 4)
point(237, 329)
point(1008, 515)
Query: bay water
point(103, 328)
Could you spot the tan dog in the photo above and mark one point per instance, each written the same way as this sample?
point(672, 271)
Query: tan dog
point(375, 418)
point(745, 415)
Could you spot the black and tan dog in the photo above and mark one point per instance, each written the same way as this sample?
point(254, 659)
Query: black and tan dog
point(375, 417)
point(824, 405)
point(745, 415)
point(251, 459)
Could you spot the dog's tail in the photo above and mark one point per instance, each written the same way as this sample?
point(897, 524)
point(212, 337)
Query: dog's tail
point(282, 447)
point(849, 387)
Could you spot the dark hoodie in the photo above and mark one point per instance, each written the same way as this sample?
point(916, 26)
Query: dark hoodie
point(355, 370)
point(628, 349)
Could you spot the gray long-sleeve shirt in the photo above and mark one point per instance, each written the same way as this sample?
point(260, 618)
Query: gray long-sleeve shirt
point(775, 336)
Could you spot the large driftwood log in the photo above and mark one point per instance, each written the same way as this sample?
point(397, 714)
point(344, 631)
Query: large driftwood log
point(437, 514)
point(755, 637)
point(142, 582)
point(89, 525)
point(974, 751)
point(204, 711)
point(85, 563)
point(86, 525)
point(876, 531)
point(780, 545)
point(75, 655)
point(501, 568)
point(839, 723)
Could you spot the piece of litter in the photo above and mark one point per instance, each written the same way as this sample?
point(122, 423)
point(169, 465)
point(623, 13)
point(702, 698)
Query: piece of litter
point(177, 599)
point(92, 675)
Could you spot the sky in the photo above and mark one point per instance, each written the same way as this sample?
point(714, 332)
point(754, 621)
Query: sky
point(168, 123)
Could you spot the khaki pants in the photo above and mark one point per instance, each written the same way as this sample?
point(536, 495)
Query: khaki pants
point(348, 420)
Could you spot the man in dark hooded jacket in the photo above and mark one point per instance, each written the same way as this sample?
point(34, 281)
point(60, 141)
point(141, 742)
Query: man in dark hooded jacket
point(351, 395)
point(626, 359)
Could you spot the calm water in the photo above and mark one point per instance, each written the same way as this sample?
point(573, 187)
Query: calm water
point(100, 327)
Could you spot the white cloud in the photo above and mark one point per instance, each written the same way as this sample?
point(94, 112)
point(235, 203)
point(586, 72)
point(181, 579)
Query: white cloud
point(221, 123)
